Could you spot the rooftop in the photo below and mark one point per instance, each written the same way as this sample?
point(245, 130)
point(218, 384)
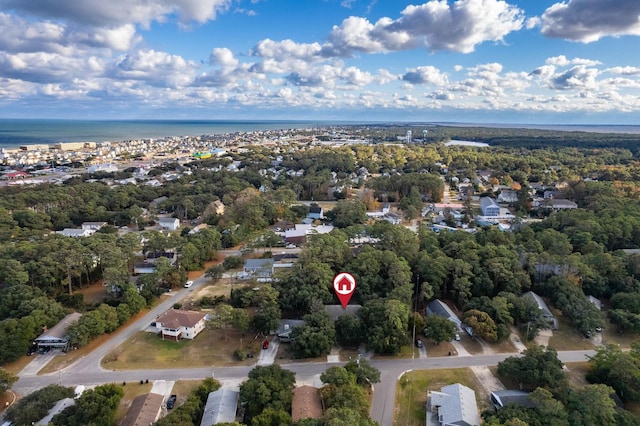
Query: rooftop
point(175, 318)
point(59, 331)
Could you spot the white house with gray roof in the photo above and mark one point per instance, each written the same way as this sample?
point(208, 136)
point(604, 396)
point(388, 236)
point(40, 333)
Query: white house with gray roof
point(260, 269)
point(454, 405)
point(489, 207)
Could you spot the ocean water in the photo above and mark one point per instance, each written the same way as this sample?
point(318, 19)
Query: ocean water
point(14, 133)
point(17, 132)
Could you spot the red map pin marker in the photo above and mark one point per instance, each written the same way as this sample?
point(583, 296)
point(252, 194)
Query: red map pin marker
point(344, 284)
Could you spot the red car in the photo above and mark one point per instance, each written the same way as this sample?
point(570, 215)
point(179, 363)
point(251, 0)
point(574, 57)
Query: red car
point(265, 344)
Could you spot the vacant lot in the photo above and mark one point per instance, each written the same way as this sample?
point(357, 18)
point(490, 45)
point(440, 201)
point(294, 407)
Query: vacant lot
point(567, 338)
point(93, 294)
point(411, 392)
point(211, 347)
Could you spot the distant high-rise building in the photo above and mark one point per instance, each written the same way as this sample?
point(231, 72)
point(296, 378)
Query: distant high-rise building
point(408, 135)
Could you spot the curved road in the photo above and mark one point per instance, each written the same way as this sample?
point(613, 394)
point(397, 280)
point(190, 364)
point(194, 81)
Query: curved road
point(88, 370)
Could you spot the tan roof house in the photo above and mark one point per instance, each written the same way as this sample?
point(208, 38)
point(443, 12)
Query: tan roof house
point(176, 324)
point(144, 410)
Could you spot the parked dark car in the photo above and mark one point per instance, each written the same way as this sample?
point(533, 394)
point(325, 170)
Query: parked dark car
point(418, 343)
point(32, 350)
point(171, 401)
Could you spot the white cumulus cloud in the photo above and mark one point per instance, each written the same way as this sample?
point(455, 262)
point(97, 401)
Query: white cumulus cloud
point(425, 75)
point(435, 25)
point(155, 68)
point(101, 13)
point(587, 21)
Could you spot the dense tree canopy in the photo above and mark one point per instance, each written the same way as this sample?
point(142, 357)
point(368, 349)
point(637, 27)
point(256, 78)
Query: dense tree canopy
point(267, 387)
point(539, 367)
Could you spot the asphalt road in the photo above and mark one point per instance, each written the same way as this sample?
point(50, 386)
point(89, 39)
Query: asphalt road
point(88, 371)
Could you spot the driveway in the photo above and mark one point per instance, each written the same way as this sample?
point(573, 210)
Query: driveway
point(162, 387)
point(37, 363)
point(268, 356)
point(460, 349)
point(515, 341)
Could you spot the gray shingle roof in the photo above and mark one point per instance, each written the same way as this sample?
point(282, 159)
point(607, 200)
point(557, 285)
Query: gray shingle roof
point(220, 408)
point(456, 405)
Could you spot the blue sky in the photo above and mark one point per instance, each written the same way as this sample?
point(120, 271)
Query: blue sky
point(490, 61)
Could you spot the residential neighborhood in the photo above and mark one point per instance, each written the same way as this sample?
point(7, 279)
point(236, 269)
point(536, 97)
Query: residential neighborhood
point(224, 268)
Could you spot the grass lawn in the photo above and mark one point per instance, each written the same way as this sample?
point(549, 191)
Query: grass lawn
point(348, 354)
point(63, 360)
point(567, 338)
point(504, 347)
point(131, 391)
point(577, 372)
point(471, 345)
point(210, 348)
point(285, 355)
point(411, 392)
point(16, 366)
point(611, 335)
point(433, 350)
point(183, 388)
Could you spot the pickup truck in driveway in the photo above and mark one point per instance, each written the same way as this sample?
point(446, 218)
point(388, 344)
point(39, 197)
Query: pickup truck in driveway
point(171, 402)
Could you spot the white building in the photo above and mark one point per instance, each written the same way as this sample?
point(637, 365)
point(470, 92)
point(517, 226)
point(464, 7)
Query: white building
point(489, 207)
point(75, 233)
point(176, 324)
point(454, 405)
point(169, 223)
point(109, 168)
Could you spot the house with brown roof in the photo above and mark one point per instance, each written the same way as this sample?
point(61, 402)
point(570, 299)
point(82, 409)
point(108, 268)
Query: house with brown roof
point(176, 324)
point(144, 410)
point(306, 403)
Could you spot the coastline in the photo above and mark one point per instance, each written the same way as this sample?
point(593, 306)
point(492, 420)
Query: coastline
point(15, 133)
